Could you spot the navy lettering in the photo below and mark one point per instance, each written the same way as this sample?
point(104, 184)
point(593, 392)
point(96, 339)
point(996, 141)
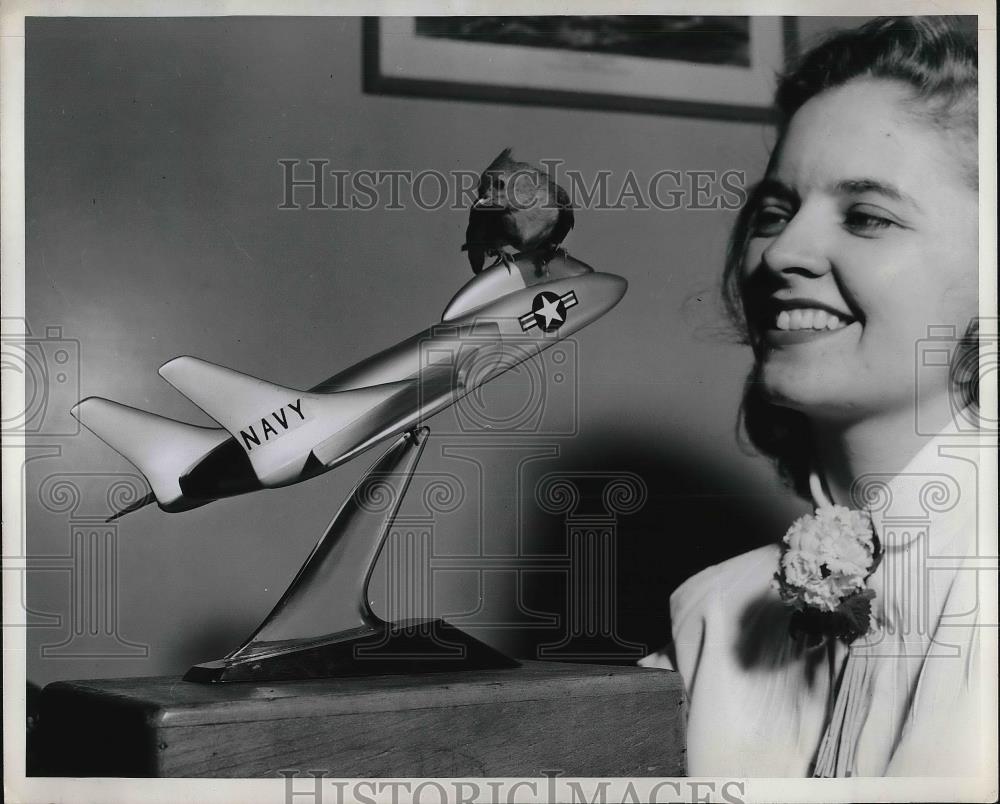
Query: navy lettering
point(248, 438)
point(267, 429)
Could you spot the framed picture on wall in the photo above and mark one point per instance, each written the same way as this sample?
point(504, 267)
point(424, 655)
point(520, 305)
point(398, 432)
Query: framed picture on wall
point(708, 66)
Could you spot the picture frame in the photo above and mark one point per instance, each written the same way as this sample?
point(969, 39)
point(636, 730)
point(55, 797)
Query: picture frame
point(716, 67)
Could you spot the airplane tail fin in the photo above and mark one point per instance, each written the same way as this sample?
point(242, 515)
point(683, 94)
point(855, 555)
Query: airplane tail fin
point(161, 448)
point(278, 427)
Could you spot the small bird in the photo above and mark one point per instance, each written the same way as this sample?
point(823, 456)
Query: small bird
point(517, 206)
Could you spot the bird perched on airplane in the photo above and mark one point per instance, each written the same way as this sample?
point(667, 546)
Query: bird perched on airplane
point(517, 206)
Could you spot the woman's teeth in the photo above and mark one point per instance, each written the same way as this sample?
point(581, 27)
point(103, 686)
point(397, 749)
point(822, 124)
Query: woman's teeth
point(809, 319)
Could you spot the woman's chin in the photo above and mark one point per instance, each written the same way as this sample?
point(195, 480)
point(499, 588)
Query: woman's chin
point(811, 395)
point(838, 403)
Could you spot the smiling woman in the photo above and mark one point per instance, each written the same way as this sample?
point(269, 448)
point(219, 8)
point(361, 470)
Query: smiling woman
point(866, 216)
point(862, 237)
point(890, 115)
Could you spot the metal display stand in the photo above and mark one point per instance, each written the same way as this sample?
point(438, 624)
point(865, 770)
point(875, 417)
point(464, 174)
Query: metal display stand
point(323, 625)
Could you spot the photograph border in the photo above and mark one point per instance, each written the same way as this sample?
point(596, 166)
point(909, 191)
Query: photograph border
point(19, 788)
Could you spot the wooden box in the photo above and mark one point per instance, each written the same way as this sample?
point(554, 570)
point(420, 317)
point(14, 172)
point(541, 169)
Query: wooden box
point(581, 720)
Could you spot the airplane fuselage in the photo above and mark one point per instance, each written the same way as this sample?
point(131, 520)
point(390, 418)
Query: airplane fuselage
point(501, 318)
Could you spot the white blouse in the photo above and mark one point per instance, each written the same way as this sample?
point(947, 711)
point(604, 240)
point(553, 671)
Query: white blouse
point(759, 701)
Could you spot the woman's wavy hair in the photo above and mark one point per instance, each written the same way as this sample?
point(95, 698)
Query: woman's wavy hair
point(938, 61)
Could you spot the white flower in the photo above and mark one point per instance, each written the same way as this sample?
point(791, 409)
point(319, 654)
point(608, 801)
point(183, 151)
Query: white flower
point(826, 557)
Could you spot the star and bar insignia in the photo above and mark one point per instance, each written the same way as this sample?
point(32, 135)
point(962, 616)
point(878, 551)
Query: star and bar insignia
point(548, 311)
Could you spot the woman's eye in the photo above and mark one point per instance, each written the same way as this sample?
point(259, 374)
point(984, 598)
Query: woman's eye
point(863, 221)
point(769, 221)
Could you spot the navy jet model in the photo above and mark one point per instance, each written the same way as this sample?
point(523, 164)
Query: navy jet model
point(272, 436)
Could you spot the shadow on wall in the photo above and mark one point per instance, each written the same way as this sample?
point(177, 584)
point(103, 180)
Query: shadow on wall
point(610, 528)
point(634, 518)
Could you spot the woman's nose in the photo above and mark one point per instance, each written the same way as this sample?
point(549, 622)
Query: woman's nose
point(799, 248)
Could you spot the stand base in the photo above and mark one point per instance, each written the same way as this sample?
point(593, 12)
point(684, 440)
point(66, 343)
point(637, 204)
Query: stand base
point(524, 722)
point(430, 646)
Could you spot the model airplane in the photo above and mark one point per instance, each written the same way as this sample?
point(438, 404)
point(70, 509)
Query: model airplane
point(274, 436)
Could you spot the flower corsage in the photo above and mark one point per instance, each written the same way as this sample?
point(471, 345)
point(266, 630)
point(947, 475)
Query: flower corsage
point(826, 558)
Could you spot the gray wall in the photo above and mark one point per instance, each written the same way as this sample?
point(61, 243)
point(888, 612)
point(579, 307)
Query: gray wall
point(153, 231)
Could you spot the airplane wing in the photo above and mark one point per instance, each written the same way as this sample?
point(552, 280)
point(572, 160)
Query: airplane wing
point(430, 391)
point(276, 426)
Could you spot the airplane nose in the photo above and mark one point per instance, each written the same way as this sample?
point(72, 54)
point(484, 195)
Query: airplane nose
point(621, 283)
point(612, 286)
